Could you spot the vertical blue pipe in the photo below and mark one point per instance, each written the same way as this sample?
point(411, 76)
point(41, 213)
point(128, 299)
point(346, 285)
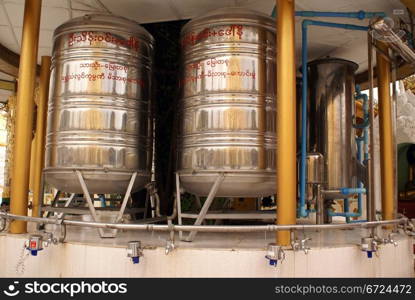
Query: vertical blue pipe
point(346, 208)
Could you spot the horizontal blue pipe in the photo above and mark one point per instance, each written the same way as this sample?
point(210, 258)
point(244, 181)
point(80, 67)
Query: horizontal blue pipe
point(357, 221)
point(360, 15)
point(348, 191)
point(344, 214)
point(335, 25)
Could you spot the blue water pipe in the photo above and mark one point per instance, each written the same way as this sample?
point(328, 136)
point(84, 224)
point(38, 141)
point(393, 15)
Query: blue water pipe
point(350, 191)
point(302, 211)
point(360, 15)
point(362, 159)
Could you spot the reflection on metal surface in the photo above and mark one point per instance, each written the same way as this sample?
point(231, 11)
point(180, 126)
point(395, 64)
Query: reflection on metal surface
point(99, 105)
point(315, 168)
point(228, 104)
point(330, 123)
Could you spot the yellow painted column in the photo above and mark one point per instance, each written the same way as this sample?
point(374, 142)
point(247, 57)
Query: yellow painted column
point(24, 113)
point(386, 134)
point(286, 119)
point(39, 150)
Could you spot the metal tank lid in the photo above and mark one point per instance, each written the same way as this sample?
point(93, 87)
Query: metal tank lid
point(229, 15)
point(102, 22)
point(330, 60)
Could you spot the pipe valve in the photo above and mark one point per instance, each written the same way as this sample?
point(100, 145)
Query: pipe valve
point(134, 251)
point(274, 254)
point(51, 240)
point(390, 240)
point(369, 245)
point(34, 244)
point(170, 246)
point(301, 245)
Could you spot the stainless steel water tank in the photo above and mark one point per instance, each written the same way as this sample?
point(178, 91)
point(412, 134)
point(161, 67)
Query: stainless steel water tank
point(228, 104)
point(330, 123)
point(99, 105)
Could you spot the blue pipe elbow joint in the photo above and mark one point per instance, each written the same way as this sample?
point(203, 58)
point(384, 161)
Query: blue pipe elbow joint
point(135, 259)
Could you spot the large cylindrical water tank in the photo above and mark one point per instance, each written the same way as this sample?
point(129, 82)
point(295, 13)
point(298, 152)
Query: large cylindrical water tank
point(99, 105)
point(228, 104)
point(330, 123)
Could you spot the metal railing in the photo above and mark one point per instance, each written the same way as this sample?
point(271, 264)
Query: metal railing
point(202, 228)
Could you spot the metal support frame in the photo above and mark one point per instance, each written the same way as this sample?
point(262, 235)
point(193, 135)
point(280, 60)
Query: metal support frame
point(91, 207)
point(179, 204)
point(203, 214)
point(206, 205)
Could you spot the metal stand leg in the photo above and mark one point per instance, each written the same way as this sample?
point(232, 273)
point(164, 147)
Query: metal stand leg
point(42, 196)
point(206, 206)
point(179, 205)
point(153, 208)
point(126, 197)
point(146, 206)
point(53, 204)
point(320, 205)
point(92, 208)
point(90, 203)
point(199, 206)
point(67, 203)
point(198, 203)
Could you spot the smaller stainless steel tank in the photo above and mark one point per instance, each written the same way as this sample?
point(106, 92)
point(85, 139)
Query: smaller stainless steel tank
point(228, 104)
point(99, 105)
point(330, 123)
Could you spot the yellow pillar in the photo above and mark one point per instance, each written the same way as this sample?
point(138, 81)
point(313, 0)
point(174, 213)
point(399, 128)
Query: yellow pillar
point(386, 134)
point(39, 150)
point(286, 119)
point(24, 113)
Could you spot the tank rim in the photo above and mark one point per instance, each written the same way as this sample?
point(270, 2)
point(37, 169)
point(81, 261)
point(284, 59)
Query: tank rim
point(79, 23)
point(235, 13)
point(328, 60)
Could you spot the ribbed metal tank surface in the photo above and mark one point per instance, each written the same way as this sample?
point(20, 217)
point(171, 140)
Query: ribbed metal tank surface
point(99, 105)
point(228, 104)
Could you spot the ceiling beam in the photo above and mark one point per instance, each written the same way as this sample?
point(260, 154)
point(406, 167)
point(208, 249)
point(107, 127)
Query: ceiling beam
point(409, 4)
point(9, 62)
point(7, 85)
point(401, 73)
